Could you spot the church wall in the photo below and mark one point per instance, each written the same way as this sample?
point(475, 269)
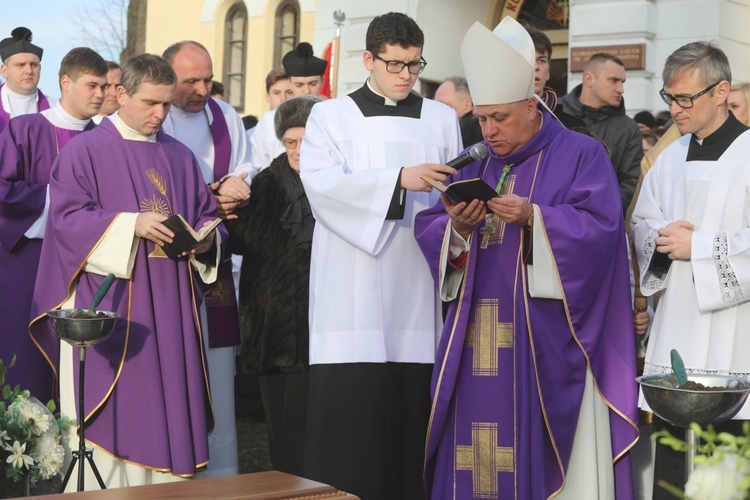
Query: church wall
point(663, 26)
point(442, 22)
point(169, 21)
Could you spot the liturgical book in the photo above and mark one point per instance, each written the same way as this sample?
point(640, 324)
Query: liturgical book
point(185, 237)
point(467, 190)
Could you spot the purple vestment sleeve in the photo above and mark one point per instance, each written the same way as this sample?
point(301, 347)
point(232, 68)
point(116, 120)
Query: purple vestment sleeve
point(28, 147)
point(569, 177)
point(147, 396)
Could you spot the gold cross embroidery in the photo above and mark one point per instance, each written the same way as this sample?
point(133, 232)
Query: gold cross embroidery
point(484, 458)
point(486, 335)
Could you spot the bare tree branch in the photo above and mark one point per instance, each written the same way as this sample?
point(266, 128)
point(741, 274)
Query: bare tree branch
point(101, 26)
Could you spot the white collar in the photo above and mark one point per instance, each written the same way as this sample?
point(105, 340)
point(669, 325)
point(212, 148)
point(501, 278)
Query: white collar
point(59, 117)
point(128, 133)
point(388, 101)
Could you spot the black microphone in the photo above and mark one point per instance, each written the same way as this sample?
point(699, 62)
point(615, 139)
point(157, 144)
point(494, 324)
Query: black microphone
point(476, 152)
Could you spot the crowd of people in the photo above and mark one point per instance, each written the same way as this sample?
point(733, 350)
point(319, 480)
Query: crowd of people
point(408, 344)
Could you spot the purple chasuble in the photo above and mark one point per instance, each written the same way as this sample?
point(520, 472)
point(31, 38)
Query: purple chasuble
point(146, 387)
point(42, 104)
point(221, 302)
point(510, 369)
point(28, 147)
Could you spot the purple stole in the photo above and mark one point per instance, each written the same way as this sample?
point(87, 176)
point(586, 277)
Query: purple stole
point(221, 302)
point(5, 116)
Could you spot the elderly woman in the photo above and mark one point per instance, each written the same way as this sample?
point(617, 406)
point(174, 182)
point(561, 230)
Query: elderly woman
point(273, 233)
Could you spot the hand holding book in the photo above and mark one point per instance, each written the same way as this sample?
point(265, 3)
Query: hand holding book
point(185, 240)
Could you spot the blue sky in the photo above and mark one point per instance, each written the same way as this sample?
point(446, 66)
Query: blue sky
point(50, 21)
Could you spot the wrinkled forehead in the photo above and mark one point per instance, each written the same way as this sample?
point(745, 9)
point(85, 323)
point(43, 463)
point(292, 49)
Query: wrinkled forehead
point(498, 110)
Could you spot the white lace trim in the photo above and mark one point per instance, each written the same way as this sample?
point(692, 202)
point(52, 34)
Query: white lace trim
point(653, 369)
point(731, 293)
point(650, 282)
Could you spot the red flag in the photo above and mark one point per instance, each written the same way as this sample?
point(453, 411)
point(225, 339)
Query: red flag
point(325, 89)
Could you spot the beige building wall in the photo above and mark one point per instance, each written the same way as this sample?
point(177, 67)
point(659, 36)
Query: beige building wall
point(169, 21)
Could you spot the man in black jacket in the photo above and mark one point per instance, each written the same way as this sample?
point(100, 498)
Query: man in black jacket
point(598, 102)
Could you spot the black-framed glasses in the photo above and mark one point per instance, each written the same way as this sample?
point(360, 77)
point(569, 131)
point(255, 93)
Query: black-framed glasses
point(415, 67)
point(685, 102)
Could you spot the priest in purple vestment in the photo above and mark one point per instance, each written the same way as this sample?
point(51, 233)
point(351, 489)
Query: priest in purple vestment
point(533, 388)
point(28, 146)
point(146, 387)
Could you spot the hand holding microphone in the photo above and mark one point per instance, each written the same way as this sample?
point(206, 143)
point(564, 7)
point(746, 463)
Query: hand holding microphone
point(476, 152)
point(410, 177)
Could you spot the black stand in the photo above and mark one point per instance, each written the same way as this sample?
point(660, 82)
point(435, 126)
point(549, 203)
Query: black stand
point(83, 452)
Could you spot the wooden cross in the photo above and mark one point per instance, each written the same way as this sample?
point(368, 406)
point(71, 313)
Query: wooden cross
point(486, 335)
point(484, 458)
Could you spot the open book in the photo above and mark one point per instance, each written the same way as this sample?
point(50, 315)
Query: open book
point(467, 190)
point(185, 237)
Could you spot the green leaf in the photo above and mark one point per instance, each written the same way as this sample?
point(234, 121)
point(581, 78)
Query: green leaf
point(672, 489)
point(727, 438)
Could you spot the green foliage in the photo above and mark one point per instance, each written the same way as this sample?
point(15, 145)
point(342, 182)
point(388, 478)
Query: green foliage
point(29, 437)
point(711, 450)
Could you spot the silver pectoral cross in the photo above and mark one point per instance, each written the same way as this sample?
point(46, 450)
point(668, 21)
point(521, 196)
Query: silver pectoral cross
point(491, 224)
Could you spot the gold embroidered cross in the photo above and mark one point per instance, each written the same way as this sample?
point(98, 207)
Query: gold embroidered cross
point(484, 458)
point(486, 335)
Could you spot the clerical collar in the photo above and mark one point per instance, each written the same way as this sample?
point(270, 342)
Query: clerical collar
point(20, 102)
point(59, 117)
point(372, 104)
point(128, 133)
point(713, 146)
point(386, 100)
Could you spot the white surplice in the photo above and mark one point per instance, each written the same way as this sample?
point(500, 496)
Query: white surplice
point(703, 312)
point(372, 298)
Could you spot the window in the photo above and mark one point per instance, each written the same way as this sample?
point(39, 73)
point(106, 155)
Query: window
point(235, 46)
point(287, 30)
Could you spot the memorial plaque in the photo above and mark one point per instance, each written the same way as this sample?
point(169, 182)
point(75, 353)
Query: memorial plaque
point(633, 56)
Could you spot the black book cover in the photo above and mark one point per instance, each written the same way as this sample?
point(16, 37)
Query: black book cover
point(185, 237)
point(467, 190)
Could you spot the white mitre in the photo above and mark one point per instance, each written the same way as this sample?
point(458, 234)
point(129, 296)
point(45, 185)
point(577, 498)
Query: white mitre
point(499, 64)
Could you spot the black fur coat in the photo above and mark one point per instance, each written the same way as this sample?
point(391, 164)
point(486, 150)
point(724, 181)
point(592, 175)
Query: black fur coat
point(274, 281)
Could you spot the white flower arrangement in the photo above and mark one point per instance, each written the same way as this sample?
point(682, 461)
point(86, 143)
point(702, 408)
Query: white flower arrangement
point(29, 437)
point(722, 464)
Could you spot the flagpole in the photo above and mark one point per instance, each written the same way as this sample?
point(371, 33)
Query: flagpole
point(338, 19)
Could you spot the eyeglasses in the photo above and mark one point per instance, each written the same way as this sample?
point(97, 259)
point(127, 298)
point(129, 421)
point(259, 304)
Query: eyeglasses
point(291, 143)
point(684, 102)
point(415, 67)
